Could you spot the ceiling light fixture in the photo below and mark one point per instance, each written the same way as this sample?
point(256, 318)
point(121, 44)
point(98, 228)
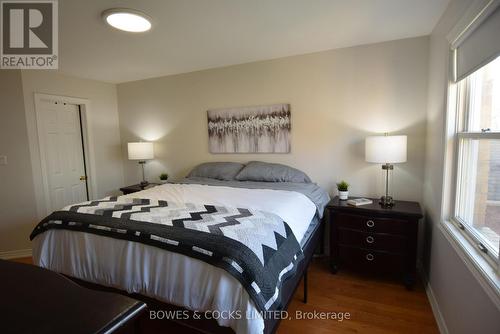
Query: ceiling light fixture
point(125, 19)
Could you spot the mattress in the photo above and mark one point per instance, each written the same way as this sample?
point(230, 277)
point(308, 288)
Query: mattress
point(309, 231)
point(171, 277)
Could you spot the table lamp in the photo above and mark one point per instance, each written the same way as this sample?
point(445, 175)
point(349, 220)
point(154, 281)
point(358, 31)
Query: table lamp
point(386, 150)
point(141, 151)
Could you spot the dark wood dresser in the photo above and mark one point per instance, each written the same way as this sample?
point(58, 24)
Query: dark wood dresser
point(36, 300)
point(375, 240)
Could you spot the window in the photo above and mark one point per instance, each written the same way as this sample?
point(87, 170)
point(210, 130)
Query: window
point(477, 203)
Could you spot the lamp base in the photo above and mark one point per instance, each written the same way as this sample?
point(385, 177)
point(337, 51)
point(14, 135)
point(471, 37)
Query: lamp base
point(143, 183)
point(386, 202)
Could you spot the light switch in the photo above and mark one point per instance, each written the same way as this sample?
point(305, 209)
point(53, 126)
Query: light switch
point(3, 159)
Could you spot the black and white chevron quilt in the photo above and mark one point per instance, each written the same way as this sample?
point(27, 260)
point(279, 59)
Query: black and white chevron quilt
point(258, 248)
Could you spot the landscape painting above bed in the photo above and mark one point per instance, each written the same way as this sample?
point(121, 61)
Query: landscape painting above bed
point(260, 129)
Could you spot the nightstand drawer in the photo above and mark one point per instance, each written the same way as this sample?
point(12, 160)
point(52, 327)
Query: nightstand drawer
point(371, 224)
point(370, 259)
point(375, 241)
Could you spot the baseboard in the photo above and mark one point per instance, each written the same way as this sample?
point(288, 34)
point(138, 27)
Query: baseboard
point(15, 254)
point(443, 329)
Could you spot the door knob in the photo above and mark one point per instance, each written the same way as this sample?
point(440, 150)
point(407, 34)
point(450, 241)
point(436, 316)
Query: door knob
point(83, 178)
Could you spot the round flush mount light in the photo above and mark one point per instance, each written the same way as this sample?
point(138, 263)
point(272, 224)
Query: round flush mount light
point(129, 20)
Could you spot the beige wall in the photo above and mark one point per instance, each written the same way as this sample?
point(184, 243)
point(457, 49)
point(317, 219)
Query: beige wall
point(337, 98)
point(464, 306)
point(17, 201)
point(20, 180)
point(102, 119)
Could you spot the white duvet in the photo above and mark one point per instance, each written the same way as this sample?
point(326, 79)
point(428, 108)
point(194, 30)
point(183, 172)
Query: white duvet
point(171, 277)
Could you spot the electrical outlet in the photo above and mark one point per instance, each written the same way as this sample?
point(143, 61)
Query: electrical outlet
point(3, 159)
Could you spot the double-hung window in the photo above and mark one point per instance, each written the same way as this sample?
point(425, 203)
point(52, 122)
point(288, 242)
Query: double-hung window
point(477, 203)
point(475, 105)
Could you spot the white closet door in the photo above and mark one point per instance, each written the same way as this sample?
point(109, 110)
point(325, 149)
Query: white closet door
point(61, 152)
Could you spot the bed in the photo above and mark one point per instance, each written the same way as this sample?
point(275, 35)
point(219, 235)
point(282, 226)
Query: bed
point(190, 280)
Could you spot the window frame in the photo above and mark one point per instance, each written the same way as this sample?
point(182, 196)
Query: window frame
point(459, 113)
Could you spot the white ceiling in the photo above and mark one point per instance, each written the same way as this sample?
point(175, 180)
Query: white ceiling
point(190, 35)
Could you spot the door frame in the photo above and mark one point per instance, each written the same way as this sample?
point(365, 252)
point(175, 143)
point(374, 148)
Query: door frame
point(88, 147)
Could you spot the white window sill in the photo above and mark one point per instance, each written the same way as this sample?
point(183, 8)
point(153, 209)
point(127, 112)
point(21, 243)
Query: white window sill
point(482, 269)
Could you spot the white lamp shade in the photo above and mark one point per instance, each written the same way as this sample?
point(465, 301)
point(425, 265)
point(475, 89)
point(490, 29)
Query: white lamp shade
point(385, 149)
point(140, 151)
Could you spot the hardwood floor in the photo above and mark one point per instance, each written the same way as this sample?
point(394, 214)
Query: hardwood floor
point(26, 260)
point(375, 305)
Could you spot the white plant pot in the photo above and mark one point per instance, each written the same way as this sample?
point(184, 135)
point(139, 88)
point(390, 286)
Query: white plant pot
point(163, 181)
point(343, 195)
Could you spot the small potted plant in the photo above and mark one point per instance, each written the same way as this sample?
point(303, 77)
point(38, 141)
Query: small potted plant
point(343, 188)
point(163, 177)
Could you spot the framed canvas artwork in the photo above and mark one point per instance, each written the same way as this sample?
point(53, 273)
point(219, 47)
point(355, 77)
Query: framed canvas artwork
point(260, 129)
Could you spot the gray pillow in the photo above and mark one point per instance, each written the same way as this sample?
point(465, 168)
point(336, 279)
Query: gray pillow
point(267, 172)
point(217, 170)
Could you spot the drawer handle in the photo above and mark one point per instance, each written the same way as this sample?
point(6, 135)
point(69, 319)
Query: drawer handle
point(370, 257)
point(370, 223)
point(370, 239)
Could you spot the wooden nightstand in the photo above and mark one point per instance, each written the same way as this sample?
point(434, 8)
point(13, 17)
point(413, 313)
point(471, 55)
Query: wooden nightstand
point(375, 239)
point(137, 187)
